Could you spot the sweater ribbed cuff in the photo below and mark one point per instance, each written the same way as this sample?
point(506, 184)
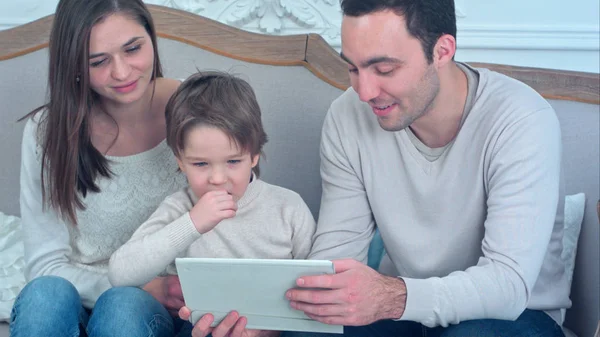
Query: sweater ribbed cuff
point(420, 300)
point(182, 232)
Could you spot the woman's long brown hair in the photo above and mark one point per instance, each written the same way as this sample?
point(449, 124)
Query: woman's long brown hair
point(70, 163)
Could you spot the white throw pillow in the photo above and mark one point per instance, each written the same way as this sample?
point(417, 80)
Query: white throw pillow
point(574, 210)
point(12, 279)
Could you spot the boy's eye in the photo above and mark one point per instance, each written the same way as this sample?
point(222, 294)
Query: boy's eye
point(200, 164)
point(353, 70)
point(234, 161)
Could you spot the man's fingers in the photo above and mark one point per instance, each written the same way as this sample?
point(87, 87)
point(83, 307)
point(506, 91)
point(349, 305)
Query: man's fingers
point(334, 281)
point(337, 320)
point(345, 264)
point(335, 296)
point(321, 309)
point(337, 280)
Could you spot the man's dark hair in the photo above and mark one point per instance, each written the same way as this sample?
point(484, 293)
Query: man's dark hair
point(426, 20)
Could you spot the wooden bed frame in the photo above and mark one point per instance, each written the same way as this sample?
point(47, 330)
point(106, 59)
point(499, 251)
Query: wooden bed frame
point(309, 50)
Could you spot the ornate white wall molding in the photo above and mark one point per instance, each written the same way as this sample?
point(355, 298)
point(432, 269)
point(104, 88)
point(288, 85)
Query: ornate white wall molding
point(10, 23)
point(459, 6)
point(194, 6)
point(17, 12)
point(529, 37)
point(277, 17)
point(550, 39)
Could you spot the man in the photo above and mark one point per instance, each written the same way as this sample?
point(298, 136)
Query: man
point(458, 168)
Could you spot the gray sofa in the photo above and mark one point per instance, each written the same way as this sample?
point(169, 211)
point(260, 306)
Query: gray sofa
point(295, 79)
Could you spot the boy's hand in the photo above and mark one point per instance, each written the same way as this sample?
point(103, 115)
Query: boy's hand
point(232, 326)
point(212, 208)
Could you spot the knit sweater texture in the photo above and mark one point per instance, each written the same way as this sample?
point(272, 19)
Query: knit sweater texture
point(271, 223)
point(80, 253)
point(472, 228)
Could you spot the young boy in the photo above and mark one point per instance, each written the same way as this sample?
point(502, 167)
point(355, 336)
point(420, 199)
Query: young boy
point(215, 130)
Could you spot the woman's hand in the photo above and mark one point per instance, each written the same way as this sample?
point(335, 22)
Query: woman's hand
point(231, 326)
point(167, 290)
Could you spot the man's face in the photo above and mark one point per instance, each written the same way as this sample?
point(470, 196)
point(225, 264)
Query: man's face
point(388, 68)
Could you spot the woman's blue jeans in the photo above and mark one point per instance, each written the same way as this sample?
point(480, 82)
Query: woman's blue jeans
point(51, 306)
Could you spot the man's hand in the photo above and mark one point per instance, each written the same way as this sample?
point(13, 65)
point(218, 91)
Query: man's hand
point(212, 208)
point(167, 290)
point(232, 326)
point(355, 295)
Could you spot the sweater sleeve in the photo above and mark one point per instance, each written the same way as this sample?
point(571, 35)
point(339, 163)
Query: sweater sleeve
point(46, 237)
point(522, 182)
point(345, 226)
point(155, 244)
point(303, 225)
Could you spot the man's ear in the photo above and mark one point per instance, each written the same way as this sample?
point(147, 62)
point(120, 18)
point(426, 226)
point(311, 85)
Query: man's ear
point(444, 50)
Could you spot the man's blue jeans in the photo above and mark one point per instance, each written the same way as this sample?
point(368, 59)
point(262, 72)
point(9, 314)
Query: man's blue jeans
point(531, 323)
point(51, 306)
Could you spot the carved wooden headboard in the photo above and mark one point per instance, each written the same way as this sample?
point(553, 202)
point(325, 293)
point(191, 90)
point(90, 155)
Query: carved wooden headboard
point(309, 50)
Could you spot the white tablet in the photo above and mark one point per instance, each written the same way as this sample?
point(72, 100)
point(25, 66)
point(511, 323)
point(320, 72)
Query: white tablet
point(254, 287)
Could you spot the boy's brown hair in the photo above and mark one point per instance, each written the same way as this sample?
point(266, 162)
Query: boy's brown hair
point(219, 100)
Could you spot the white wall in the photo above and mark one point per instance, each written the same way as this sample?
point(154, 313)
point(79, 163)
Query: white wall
point(554, 34)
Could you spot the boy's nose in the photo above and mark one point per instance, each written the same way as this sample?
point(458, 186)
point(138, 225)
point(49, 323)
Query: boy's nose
point(218, 177)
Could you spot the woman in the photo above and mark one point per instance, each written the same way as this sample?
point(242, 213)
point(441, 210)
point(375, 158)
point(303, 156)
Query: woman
point(95, 165)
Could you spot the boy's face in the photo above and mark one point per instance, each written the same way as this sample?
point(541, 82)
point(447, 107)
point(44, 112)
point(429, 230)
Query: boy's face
point(212, 161)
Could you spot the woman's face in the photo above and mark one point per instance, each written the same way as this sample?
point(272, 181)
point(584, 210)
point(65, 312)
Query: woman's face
point(121, 59)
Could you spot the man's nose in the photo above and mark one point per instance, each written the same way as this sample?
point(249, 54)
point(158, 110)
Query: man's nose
point(367, 87)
